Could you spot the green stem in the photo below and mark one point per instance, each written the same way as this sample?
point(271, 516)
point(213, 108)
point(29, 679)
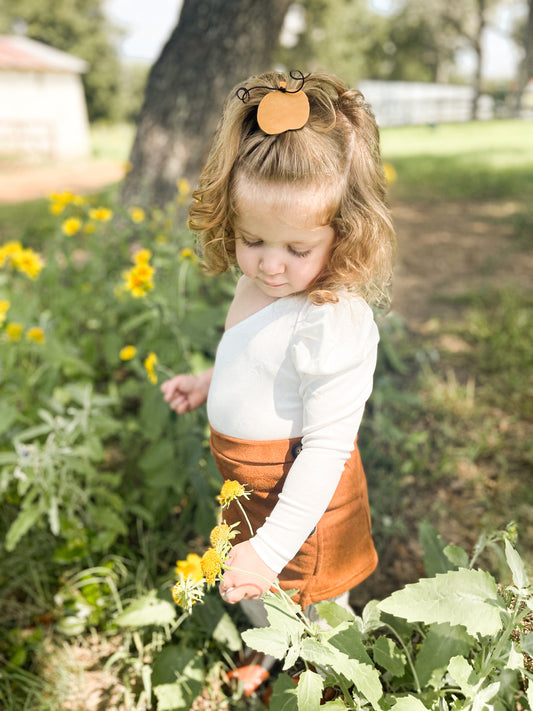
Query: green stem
point(410, 661)
point(245, 516)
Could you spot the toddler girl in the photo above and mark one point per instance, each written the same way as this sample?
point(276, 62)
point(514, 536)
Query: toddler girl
point(293, 193)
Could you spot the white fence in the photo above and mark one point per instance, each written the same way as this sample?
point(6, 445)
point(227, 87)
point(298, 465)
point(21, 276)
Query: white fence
point(401, 103)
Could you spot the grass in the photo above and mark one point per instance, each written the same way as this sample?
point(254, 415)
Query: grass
point(479, 160)
point(112, 141)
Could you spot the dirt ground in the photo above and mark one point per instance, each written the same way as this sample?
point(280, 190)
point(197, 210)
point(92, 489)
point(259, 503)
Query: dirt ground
point(444, 249)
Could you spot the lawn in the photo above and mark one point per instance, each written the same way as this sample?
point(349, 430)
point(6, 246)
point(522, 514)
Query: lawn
point(102, 489)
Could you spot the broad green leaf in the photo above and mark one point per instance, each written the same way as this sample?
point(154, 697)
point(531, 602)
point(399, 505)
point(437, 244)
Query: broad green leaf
point(408, 703)
point(526, 642)
point(516, 564)
point(284, 694)
point(371, 617)
point(483, 696)
point(26, 519)
point(435, 560)
point(388, 656)
point(515, 660)
point(463, 674)
point(227, 634)
point(170, 696)
point(333, 613)
point(349, 641)
point(268, 640)
point(441, 644)
point(178, 677)
point(457, 556)
point(335, 705)
point(309, 691)
point(282, 614)
point(147, 610)
point(460, 597)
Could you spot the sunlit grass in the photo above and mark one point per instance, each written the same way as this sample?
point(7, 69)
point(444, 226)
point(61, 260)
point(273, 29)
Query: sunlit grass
point(112, 141)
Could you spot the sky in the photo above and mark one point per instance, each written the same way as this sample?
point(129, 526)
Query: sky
point(148, 23)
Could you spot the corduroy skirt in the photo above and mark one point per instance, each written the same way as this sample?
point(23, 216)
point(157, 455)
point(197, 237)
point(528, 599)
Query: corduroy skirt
point(339, 553)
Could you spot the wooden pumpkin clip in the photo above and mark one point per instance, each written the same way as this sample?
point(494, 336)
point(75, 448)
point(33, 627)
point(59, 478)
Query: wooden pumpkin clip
point(281, 109)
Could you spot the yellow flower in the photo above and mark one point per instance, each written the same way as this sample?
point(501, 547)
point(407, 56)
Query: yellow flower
point(127, 353)
point(149, 364)
point(221, 535)
point(35, 334)
point(70, 226)
point(78, 200)
point(143, 256)
point(8, 251)
point(28, 262)
point(14, 331)
point(139, 280)
point(4, 308)
point(161, 239)
point(56, 208)
point(184, 187)
point(103, 214)
point(187, 253)
point(187, 593)
point(137, 214)
point(390, 173)
point(211, 564)
point(231, 489)
point(190, 568)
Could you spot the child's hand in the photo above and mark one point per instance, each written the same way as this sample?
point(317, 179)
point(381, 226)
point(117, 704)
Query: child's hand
point(186, 392)
point(249, 577)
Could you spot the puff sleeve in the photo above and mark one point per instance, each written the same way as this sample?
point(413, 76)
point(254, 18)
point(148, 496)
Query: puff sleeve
point(334, 352)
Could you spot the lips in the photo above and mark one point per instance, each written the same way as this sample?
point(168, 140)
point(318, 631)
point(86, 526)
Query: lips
point(270, 284)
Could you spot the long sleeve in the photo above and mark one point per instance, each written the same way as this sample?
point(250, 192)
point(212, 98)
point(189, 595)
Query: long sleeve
point(334, 353)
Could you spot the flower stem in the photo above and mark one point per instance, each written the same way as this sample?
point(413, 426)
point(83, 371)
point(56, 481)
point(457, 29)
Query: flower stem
point(245, 516)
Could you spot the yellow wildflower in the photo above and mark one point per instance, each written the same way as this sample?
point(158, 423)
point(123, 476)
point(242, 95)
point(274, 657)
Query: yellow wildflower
point(4, 308)
point(190, 568)
point(78, 200)
point(221, 535)
point(231, 489)
point(390, 173)
point(139, 280)
point(211, 564)
point(103, 214)
point(137, 214)
point(149, 364)
point(184, 187)
point(35, 334)
point(28, 262)
point(8, 251)
point(161, 239)
point(187, 253)
point(127, 353)
point(70, 226)
point(14, 331)
point(56, 208)
point(143, 256)
point(187, 593)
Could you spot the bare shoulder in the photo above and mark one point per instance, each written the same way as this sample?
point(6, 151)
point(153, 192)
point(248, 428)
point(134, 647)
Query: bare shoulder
point(248, 299)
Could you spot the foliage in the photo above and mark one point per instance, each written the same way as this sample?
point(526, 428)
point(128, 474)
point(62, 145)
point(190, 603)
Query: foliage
point(453, 641)
point(81, 29)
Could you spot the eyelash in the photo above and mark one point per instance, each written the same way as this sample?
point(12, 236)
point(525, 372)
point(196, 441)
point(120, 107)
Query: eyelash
point(291, 249)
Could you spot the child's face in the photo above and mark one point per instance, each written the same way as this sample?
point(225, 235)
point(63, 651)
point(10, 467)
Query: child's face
point(281, 242)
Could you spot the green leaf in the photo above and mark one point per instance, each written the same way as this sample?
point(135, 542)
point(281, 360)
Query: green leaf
point(178, 677)
point(371, 617)
point(435, 559)
point(335, 705)
point(147, 610)
point(388, 656)
point(309, 691)
point(267, 640)
point(408, 703)
point(460, 597)
point(226, 634)
point(26, 519)
point(526, 642)
point(284, 694)
point(441, 644)
point(8, 415)
point(170, 696)
point(282, 614)
point(333, 613)
point(463, 674)
point(516, 564)
point(349, 641)
point(457, 556)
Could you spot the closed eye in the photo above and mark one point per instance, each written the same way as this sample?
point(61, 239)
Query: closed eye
point(248, 243)
point(299, 254)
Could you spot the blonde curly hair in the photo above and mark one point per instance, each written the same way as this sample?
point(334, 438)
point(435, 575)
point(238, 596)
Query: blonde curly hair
point(336, 154)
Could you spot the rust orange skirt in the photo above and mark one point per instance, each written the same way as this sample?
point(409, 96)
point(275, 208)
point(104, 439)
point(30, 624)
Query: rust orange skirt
point(340, 552)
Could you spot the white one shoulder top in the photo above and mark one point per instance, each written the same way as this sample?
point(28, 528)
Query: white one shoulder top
point(294, 369)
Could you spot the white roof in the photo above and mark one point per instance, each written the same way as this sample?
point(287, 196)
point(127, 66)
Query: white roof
point(24, 54)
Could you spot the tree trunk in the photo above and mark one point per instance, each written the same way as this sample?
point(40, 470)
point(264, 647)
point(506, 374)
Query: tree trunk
point(478, 49)
point(525, 69)
point(214, 45)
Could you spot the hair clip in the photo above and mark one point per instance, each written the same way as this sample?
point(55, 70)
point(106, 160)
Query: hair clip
point(281, 109)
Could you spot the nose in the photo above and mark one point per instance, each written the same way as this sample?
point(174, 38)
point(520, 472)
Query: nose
point(271, 262)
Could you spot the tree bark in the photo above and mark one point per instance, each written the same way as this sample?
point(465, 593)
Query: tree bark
point(477, 44)
point(525, 69)
point(214, 45)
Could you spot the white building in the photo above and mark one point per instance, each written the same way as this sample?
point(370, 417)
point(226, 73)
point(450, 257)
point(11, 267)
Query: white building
point(42, 104)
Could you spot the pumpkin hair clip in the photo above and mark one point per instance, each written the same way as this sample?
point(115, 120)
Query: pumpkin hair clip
point(281, 109)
